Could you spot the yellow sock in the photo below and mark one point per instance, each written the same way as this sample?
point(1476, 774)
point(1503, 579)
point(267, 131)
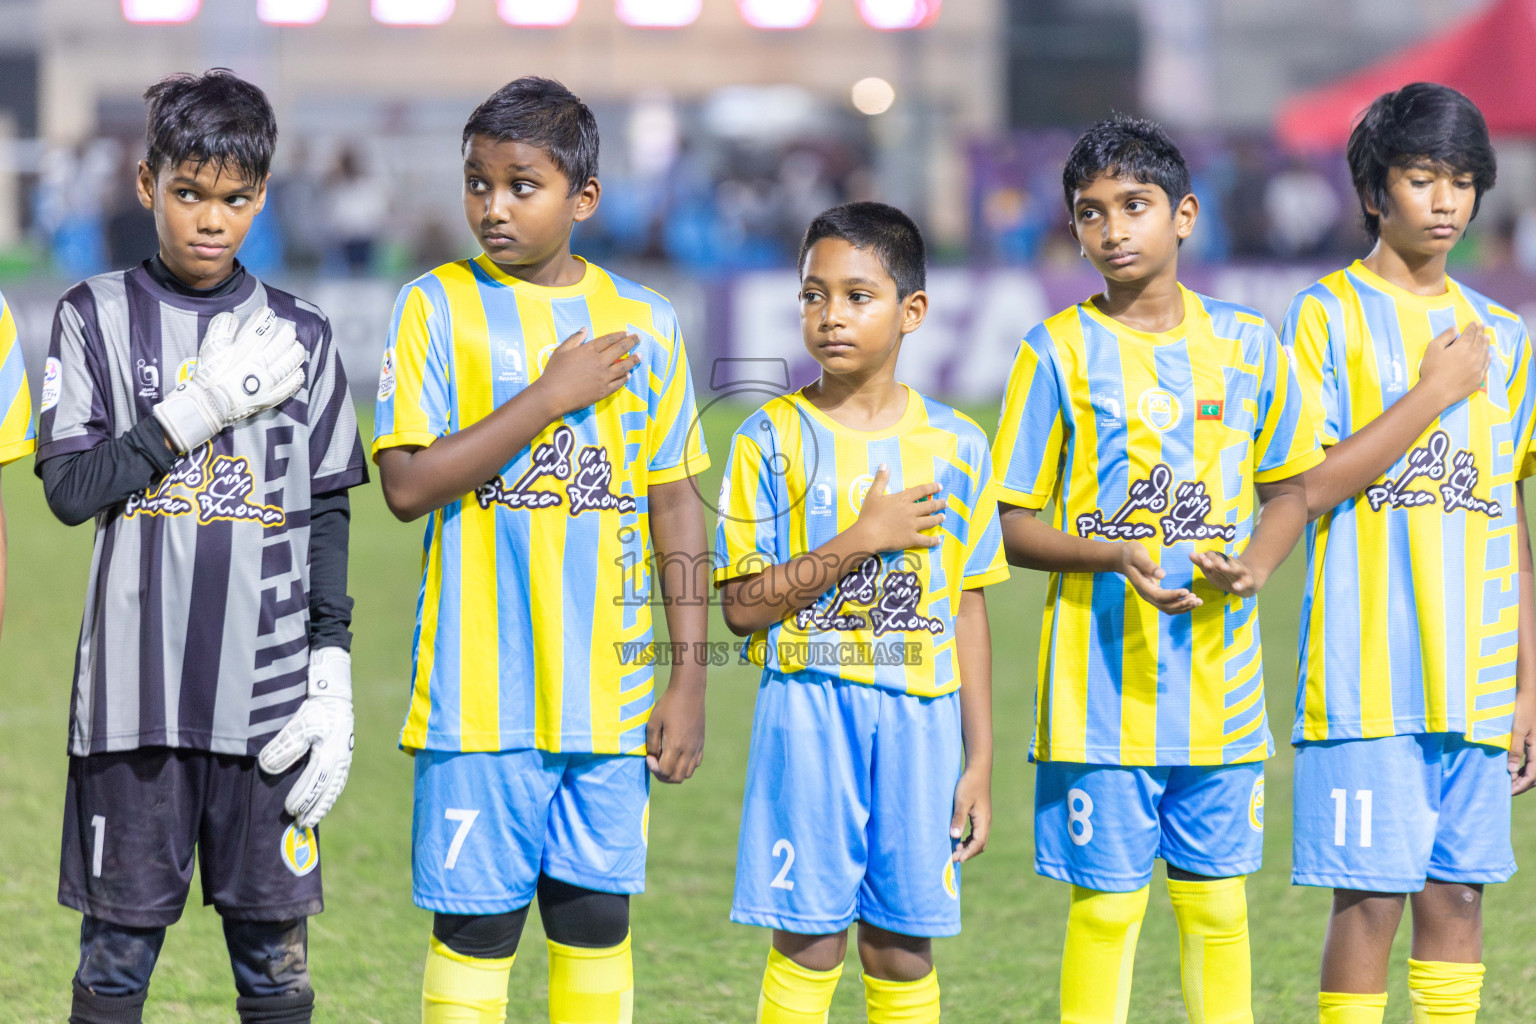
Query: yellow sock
point(1102, 929)
point(1351, 1007)
point(793, 994)
point(1444, 993)
point(903, 1002)
point(459, 989)
point(1214, 958)
point(591, 986)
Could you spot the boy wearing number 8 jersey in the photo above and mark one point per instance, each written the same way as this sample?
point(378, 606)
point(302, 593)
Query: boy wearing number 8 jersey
point(1413, 708)
point(1166, 430)
point(857, 528)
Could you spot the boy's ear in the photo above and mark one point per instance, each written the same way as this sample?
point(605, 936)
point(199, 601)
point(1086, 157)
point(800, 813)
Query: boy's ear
point(260, 198)
point(1368, 200)
point(1185, 215)
point(913, 309)
point(587, 198)
point(145, 185)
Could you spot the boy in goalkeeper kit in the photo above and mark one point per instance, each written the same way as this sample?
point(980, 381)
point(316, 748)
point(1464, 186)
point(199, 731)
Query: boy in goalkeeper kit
point(202, 419)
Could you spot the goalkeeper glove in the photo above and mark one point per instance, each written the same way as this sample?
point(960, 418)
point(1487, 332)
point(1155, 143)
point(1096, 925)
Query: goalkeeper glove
point(323, 727)
point(239, 373)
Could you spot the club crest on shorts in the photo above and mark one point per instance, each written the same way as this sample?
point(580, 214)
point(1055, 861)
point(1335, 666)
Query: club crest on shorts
point(1256, 805)
point(301, 853)
point(951, 881)
point(1159, 409)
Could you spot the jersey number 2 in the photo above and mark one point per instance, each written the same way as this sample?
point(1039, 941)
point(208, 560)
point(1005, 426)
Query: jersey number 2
point(787, 849)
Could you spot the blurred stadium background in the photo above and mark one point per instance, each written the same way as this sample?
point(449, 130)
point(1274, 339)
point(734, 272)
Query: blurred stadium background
point(727, 124)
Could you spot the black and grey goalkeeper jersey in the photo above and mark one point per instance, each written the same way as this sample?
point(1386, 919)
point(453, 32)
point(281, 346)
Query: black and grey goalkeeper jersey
point(197, 609)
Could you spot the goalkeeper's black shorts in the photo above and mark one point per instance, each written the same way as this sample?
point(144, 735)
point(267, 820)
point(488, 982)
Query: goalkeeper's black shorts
point(133, 819)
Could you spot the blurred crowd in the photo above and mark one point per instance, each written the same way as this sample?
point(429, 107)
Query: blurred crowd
point(1257, 203)
point(712, 202)
point(711, 189)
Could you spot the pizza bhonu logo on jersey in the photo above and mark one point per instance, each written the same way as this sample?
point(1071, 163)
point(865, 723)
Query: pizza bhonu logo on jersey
point(1429, 462)
point(590, 474)
point(1184, 513)
point(217, 487)
point(892, 603)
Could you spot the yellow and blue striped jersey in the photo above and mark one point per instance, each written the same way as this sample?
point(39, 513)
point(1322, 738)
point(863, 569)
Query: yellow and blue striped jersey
point(18, 435)
point(796, 478)
point(1156, 439)
point(534, 607)
point(1411, 611)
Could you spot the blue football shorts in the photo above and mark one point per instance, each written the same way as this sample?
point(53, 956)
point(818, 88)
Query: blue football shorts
point(850, 791)
point(1384, 815)
point(487, 825)
point(1101, 826)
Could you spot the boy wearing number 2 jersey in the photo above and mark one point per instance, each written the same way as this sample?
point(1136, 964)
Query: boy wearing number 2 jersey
point(1412, 712)
point(857, 530)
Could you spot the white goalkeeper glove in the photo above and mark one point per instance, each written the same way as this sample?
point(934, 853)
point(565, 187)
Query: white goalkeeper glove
point(322, 727)
point(239, 373)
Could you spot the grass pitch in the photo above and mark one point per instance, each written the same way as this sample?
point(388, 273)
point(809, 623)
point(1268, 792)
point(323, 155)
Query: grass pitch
point(691, 964)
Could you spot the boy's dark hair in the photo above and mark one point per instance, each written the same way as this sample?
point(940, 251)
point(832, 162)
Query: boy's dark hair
point(1127, 147)
point(1422, 121)
point(541, 112)
point(885, 230)
point(216, 116)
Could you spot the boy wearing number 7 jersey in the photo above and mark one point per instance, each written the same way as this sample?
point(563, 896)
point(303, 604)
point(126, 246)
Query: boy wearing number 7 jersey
point(539, 412)
point(1413, 710)
point(857, 530)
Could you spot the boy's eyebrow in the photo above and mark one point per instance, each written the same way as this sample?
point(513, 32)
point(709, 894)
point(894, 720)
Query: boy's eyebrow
point(181, 179)
point(1131, 188)
point(473, 164)
point(813, 279)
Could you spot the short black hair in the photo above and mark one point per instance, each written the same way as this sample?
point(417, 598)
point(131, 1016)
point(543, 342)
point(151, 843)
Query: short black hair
point(541, 112)
point(216, 116)
point(1422, 121)
point(1127, 147)
point(891, 234)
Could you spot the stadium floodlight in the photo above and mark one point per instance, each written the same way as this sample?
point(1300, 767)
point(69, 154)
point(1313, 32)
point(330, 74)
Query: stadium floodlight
point(537, 13)
point(778, 14)
point(658, 13)
point(872, 96)
point(290, 12)
point(160, 12)
point(412, 12)
point(899, 14)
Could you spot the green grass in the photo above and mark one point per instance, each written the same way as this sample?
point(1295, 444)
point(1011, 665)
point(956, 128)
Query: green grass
point(691, 963)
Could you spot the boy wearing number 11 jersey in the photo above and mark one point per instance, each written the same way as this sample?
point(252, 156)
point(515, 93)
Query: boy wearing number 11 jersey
point(1411, 715)
point(1166, 430)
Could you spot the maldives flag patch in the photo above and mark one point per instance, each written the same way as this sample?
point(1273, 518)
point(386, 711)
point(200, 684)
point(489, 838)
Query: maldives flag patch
point(1209, 410)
